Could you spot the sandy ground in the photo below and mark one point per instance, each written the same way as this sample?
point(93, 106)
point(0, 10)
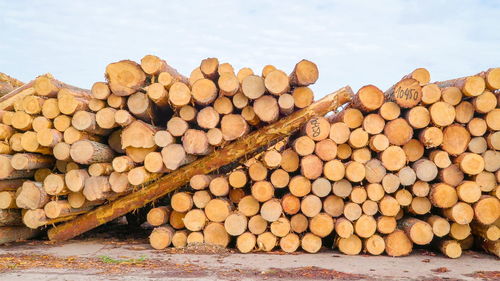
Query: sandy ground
point(98, 259)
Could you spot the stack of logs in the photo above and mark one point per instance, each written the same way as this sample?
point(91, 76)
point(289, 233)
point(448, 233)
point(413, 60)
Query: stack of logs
point(415, 165)
point(8, 84)
point(66, 150)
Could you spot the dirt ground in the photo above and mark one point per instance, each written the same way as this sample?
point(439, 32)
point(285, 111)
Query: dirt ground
point(133, 259)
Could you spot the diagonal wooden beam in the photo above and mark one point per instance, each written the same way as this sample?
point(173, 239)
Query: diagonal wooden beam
point(244, 146)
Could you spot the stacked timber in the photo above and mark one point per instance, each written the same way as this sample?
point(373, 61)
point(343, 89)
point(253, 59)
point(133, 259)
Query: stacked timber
point(416, 165)
point(8, 84)
point(11, 224)
point(77, 149)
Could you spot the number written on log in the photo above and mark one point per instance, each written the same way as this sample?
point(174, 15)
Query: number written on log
point(407, 93)
point(316, 128)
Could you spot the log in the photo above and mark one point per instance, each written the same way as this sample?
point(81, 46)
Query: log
point(450, 248)
point(195, 220)
point(470, 86)
point(161, 237)
point(398, 244)
point(139, 176)
point(266, 108)
point(236, 224)
point(125, 77)
point(389, 206)
point(154, 163)
point(172, 181)
point(258, 225)
point(95, 104)
point(290, 243)
point(419, 232)
point(431, 93)
point(271, 210)
point(464, 112)
point(286, 104)
point(442, 114)
point(277, 82)
point(253, 87)
point(459, 231)
point(418, 117)
point(352, 117)
point(373, 124)
point(40, 123)
point(386, 224)
point(37, 218)
point(61, 208)
point(389, 111)
point(32, 104)
point(374, 245)
point(431, 137)
point(352, 211)
point(368, 98)
point(407, 93)
point(393, 158)
point(375, 191)
point(97, 188)
point(195, 142)
point(10, 217)
point(398, 131)
point(443, 196)
point(61, 123)
point(470, 163)
point(326, 150)
point(30, 161)
point(425, 170)
point(349, 246)
point(311, 243)
point(10, 234)
point(461, 213)
point(304, 73)
point(119, 182)
point(11, 185)
point(70, 101)
point(455, 139)
point(451, 175)
point(204, 91)
point(440, 226)
point(219, 186)
point(243, 73)
point(365, 226)
point(485, 102)
point(209, 67)
point(215, 233)
point(492, 78)
point(228, 84)
point(486, 209)
point(302, 96)
point(22, 121)
point(195, 238)
point(54, 184)
point(233, 126)
point(88, 152)
point(201, 198)
point(262, 191)
point(100, 90)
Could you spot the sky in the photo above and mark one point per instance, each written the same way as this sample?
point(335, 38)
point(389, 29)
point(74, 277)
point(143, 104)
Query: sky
point(353, 42)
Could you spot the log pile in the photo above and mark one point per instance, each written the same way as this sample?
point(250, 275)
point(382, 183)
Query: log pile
point(8, 84)
point(67, 150)
point(416, 165)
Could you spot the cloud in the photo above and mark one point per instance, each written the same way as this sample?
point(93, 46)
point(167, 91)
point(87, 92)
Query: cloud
point(353, 42)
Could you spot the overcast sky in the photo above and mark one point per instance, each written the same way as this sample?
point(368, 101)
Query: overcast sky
point(353, 42)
